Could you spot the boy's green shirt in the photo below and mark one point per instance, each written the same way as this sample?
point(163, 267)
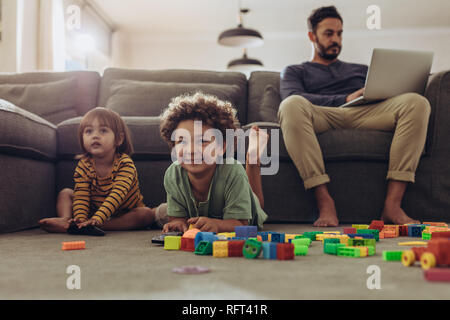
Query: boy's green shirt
point(230, 195)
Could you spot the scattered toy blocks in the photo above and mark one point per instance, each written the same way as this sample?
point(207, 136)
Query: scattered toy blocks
point(285, 251)
point(220, 249)
point(73, 245)
point(377, 225)
point(392, 255)
point(205, 236)
point(252, 248)
point(204, 248)
point(172, 242)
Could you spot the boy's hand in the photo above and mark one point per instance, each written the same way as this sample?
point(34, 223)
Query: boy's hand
point(205, 224)
point(175, 225)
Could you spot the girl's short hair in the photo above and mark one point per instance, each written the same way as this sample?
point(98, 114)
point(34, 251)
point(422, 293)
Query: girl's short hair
point(209, 109)
point(112, 120)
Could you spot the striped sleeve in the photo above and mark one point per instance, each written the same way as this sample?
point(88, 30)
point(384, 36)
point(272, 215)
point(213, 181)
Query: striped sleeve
point(124, 190)
point(81, 192)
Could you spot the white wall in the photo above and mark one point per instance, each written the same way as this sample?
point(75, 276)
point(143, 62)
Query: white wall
point(8, 45)
point(162, 52)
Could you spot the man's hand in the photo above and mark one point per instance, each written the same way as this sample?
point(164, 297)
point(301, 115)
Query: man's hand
point(355, 95)
point(205, 224)
point(175, 225)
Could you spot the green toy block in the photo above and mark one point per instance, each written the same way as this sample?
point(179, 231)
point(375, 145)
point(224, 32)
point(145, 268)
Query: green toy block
point(348, 252)
point(311, 234)
point(331, 240)
point(252, 248)
point(372, 250)
point(172, 242)
point(361, 242)
point(332, 248)
point(376, 233)
point(300, 250)
point(204, 248)
point(301, 242)
point(392, 255)
point(360, 226)
point(426, 236)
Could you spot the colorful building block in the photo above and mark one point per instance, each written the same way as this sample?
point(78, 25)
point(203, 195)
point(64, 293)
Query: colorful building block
point(288, 237)
point(415, 231)
point(392, 255)
point(361, 242)
point(252, 248)
point(269, 250)
point(426, 236)
point(403, 230)
point(205, 236)
point(375, 232)
point(360, 235)
point(377, 225)
point(264, 235)
point(172, 242)
point(332, 248)
point(311, 234)
point(349, 230)
point(345, 251)
point(73, 245)
point(301, 242)
point(285, 251)
point(204, 248)
point(436, 224)
point(187, 244)
point(277, 237)
point(235, 248)
point(246, 231)
point(437, 274)
point(220, 249)
point(360, 226)
point(300, 250)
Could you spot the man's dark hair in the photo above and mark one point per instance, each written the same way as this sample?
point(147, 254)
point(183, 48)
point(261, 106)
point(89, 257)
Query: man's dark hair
point(320, 14)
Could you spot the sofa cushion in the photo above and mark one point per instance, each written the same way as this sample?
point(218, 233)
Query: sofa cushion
point(55, 96)
point(144, 131)
point(180, 76)
point(148, 98)
point(270, 103)
point(257, 86)
point(25, 134)
point(339, 145)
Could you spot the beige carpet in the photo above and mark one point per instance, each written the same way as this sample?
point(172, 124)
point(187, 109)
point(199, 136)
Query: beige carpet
point(125, 265)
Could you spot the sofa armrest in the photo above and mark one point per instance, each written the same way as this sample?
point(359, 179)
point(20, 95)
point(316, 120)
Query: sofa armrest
point(438, 94)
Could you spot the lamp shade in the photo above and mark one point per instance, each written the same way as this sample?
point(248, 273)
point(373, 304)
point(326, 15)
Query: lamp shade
point(240, 37)
point(244, 64)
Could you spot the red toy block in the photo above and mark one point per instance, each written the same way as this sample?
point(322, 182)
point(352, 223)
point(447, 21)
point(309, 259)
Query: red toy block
point(403, 230)
point(187, 244)
point(377, 224)
point(349, 230)
point(437, 274)
point(73, 245)
point(235, 248)
point(285, 251)
point(440, 234)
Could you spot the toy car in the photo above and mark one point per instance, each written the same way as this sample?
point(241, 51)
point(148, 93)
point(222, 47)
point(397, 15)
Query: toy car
point(437, 253)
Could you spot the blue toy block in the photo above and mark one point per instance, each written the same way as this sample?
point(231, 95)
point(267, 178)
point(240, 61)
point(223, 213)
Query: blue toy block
point(264, 235)
point(246, 231)
point(238, 238)
point(266, 250)
point(415, 231)
point(205, 236)
point(277, 237)
point(273, 250)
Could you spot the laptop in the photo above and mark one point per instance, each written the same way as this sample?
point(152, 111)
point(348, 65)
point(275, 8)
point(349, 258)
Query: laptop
point(393, 72)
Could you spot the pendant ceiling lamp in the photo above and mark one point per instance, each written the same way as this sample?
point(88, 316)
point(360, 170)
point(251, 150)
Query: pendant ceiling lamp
point(241, 37)
point(245, 63)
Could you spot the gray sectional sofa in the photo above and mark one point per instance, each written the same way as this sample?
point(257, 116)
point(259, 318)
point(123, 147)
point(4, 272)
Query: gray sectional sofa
point(40, 113)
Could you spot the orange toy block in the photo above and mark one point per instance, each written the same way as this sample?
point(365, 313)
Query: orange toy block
point(73, 245)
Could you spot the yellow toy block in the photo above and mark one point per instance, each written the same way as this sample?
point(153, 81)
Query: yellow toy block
point(332, 232)
point(413, 243)
point(227, 234)
point(289, 236)
point(172, 242)
point(220, 249)
point(360, 226)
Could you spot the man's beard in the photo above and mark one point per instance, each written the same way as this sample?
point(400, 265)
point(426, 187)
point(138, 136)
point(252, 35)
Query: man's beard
point(323, 51)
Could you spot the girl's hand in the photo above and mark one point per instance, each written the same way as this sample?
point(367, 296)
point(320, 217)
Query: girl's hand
point(205, 224)
point(175, 225)
point(90, 222)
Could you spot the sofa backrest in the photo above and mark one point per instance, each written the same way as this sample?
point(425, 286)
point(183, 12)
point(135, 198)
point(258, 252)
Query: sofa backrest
point(148, 92)
point(55, 96)
point(263, 96)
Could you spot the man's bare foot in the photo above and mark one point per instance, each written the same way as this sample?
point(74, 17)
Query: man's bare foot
point(394, 214)
point(327, 214)
point(54, 225)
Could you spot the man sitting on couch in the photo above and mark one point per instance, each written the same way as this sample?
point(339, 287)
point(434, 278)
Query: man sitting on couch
point(311, 91)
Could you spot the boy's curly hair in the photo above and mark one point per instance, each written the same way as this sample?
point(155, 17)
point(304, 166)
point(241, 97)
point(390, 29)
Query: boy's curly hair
point(209, 109)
